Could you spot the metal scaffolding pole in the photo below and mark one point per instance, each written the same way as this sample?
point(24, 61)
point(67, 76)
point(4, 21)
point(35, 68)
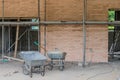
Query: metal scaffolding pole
point(39, 33)
point(29, 40)
point(84, 33)
point(45, 27)
point(9, 39)
point(22, 23)
point(3, 29)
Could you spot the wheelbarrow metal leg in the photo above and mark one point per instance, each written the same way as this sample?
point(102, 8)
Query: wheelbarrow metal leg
point(30, 73)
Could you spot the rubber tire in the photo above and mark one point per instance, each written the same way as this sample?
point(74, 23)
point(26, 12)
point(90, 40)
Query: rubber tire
point(50, 67)
point(43, 73)
point(25, 71)
point(61, 68)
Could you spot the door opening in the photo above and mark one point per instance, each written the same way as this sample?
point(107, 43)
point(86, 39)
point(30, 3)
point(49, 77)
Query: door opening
point(27, 36)
point(114, 34)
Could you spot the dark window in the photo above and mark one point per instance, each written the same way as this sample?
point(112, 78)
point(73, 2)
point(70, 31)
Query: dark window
point(117, 15)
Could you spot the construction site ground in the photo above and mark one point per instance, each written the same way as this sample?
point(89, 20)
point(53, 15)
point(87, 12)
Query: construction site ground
point(12, 70)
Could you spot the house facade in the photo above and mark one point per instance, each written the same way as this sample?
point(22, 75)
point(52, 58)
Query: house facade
point(67, 37)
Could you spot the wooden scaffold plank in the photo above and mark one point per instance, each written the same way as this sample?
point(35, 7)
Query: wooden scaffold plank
point(16, 41)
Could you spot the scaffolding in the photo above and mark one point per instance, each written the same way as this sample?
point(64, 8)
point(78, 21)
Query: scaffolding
point(18, 23)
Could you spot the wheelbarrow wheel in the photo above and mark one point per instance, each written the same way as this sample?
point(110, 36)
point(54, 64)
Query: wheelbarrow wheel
point(50, 67)
point(61, 68)
point(30, 73)
point(43, 73)
point(25, 71)
point(42, 70)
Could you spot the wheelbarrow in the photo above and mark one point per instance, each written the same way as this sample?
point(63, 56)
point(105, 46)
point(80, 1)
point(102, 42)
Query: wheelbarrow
point(56, 56)
point(33, 62)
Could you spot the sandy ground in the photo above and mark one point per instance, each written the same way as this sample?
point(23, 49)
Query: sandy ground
point(110, 71)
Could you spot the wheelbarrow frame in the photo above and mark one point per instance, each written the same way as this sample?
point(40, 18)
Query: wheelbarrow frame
point(33, 62)
point(58, 57)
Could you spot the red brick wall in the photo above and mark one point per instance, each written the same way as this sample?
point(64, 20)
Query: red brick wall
point(19, 8)
point(98, 9)
point(65, 10)
point(59, 10)
point(69, 38)
point(97, 43)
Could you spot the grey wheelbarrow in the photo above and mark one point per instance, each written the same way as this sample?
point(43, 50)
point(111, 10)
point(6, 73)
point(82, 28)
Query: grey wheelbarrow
point(56, 56)
point(33, 62)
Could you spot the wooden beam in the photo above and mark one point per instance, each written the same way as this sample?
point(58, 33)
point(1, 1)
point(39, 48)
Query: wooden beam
point(12, 58)
point(16, 41)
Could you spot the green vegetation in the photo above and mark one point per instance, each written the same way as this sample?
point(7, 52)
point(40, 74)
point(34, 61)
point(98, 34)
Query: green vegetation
point(111, 17)
point(111, 27)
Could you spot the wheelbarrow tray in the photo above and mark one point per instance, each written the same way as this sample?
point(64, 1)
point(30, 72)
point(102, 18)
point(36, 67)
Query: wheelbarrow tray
point(33, 58)
point(56, 55)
